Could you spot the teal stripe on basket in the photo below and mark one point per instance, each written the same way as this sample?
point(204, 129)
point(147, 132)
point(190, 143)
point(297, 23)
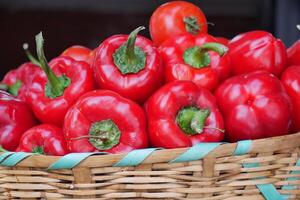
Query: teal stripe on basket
point(15, 158)
point(292, 187)
point(243, 147)
point(71, 160)
point(5, 155)
point(196, 152)
point(250, 165)
point(268, 190)
point(135, 157)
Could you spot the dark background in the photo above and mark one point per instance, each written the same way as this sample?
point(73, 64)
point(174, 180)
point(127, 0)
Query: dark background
point(88, 22)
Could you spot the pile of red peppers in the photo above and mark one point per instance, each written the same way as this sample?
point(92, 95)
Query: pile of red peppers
point(179, 88)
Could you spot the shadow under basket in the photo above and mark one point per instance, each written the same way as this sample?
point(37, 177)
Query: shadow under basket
point(247, 170)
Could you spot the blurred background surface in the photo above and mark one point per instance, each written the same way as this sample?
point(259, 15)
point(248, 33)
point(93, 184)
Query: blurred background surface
point(88, 22)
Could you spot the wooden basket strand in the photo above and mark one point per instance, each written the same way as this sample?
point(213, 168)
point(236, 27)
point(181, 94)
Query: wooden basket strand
point(260, 169)
point(267, 190)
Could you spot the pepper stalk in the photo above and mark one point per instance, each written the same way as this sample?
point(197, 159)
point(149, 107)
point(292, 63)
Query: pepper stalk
point(192, 120)
point(56, 84)
point(199, 57)
point(129, 58)
point(12, 89)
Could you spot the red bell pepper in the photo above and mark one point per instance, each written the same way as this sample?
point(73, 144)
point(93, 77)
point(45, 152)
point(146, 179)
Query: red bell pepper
point(291, 81)
point(77, 52)
point(17, 80)
point(80, 53)
point(257, 50)
point(254, 105)
point(102, 120)
point(15, 118)
point(44, 139)
point(175, 18)
point(294, 54)
point(129, 65)
point(199, 59)
point(181, 114)
point(91, 57)
point(57, 86)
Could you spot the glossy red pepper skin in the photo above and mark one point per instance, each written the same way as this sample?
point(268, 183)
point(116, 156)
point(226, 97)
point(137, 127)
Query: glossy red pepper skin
point(291, 81)
point(163, 106)
point(48, 137)
point(15, 118)
point(294, 54)
point(91, 57)
point(209, 77)
point(101, 105)
point(257, 50)
point(135, 86)
point(254, 106)
point(169, 20)
point(53, 110)
point(78, 52)
point(24, 74)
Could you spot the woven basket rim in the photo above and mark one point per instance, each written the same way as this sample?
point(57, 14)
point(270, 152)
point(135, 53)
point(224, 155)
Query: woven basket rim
point(165, 155)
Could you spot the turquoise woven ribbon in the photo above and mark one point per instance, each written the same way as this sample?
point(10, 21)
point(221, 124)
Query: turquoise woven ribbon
point(291, 187)
point(4, 155)
point(12, 159)
point(135, 157)
point(196, 152)
point(71, 160)
point(267, 190)
point(243, 147)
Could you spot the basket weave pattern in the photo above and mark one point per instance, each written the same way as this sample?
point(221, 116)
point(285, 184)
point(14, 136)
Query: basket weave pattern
point(218, 176)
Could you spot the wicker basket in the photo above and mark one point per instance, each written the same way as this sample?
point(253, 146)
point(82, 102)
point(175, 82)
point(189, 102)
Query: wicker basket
point(218, 175)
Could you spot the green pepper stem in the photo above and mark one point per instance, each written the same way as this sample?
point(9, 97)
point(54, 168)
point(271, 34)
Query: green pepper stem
point(214, 46)
point(191, 25)
point(87, 136)
point(12, 89)
point(198, 120)
point(54, 82)
point(29, 55)
point(39, 150)
point(56, 85)
point(3, 86)
point(192, 120)
point(198, 56)
point(2, 149)
point(103, 135)
point(130, 44)
point(130, 58)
